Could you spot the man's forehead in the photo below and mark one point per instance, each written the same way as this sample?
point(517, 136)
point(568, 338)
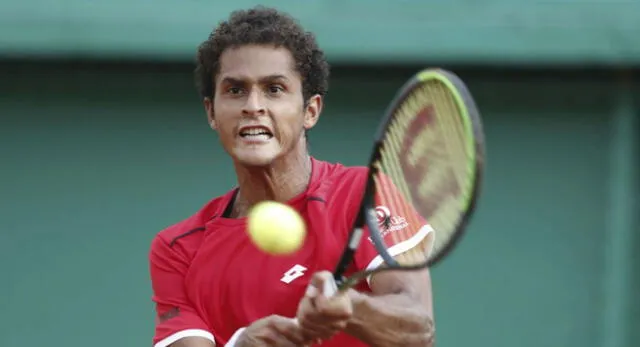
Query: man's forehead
point(256, 62)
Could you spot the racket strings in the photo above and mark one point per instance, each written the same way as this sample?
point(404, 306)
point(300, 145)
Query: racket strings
point(399, 221)
point(401, 232)
point(462, 157)
point(451, 126)
point(452, 167)
point(419, 252)
point(406, 236)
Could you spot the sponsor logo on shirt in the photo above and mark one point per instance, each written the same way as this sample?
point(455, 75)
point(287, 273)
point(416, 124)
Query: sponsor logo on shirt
point(173, 312)
point(295, 272)
point(388, 222)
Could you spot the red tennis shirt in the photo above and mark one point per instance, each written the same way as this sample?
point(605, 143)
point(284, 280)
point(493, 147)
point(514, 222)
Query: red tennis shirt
point(209, 280)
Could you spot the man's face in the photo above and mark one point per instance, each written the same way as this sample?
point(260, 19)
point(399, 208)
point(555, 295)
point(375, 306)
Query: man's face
point(258, 108)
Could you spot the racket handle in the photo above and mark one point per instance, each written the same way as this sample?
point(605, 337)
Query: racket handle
point(329, 288)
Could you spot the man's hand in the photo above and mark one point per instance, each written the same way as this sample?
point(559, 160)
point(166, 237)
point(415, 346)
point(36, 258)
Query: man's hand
point(320, 317)
point(272, 331)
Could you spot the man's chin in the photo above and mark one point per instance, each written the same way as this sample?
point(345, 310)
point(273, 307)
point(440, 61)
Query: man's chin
point(256, 160)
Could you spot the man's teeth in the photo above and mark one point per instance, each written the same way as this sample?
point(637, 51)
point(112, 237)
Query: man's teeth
point(258, 133)
point(258, 136)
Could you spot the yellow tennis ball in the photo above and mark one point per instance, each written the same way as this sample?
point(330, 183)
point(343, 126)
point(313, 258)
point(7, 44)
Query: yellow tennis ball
point(276, 228)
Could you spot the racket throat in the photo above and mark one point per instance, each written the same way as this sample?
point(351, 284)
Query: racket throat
point(355, 241)
point(347, 256)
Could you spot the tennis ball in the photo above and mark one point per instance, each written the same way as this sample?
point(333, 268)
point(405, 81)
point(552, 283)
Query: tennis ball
point(276, 228)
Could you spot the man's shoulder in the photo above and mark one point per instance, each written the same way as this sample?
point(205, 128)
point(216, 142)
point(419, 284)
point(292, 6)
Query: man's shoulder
point(341, 181)
point(193, 224)
point(341, 171)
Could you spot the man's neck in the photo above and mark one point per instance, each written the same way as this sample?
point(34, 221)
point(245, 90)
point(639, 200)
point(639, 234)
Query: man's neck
point(282, 181)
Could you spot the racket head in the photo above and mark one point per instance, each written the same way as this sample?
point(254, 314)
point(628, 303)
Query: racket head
point(430, 150)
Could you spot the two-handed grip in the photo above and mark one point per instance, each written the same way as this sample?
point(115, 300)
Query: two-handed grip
point(329, 289)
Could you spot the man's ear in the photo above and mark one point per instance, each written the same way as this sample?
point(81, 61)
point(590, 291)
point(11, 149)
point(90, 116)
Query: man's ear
point(208, 107)
point(312, 111)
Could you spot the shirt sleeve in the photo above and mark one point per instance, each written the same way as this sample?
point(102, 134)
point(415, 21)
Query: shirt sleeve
point(402, 227)
point(175, 316)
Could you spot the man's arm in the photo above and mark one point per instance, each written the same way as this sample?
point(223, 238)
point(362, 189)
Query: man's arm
point(399, 313)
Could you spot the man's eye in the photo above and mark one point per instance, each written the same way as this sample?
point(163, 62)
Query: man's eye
point(275, 89)
point(234, 90)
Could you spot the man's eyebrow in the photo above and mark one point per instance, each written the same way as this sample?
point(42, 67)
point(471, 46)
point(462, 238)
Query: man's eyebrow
point(231, 80)
point(273, 78)
point(269, 78)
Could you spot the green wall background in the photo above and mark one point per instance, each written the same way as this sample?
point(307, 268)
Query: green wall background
point(97, 158)
point(602, 32)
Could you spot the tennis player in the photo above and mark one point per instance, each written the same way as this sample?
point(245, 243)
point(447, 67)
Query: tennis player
point(263, 79)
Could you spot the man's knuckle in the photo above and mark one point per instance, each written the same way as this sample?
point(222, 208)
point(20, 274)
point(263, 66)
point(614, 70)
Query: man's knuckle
point(322, 310)
point(304, 320)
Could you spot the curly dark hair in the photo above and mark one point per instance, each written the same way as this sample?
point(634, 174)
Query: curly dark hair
point(268, 26)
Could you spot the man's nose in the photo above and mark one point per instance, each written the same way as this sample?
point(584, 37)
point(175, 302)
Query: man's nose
point(254, 105)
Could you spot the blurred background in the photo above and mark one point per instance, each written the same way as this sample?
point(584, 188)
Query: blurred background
point(104, 142)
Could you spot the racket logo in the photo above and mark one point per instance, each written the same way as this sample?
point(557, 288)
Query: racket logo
point(425, 153)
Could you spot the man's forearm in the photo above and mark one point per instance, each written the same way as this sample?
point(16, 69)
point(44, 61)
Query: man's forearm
point(390, 320)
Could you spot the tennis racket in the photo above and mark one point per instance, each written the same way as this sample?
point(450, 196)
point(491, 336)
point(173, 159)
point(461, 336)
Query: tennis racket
point(424, 178)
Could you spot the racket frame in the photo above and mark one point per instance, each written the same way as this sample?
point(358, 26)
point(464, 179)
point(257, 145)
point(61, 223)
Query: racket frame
point(366, 214)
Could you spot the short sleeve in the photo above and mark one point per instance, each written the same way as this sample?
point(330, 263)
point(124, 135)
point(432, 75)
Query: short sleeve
point(402, 226)
point(175, 316)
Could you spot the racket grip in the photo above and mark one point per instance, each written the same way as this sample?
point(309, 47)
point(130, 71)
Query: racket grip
point(329, 288)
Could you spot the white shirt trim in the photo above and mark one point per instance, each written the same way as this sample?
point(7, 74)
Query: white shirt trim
point(185, 333)
point(402, 247)
point(234, 338)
